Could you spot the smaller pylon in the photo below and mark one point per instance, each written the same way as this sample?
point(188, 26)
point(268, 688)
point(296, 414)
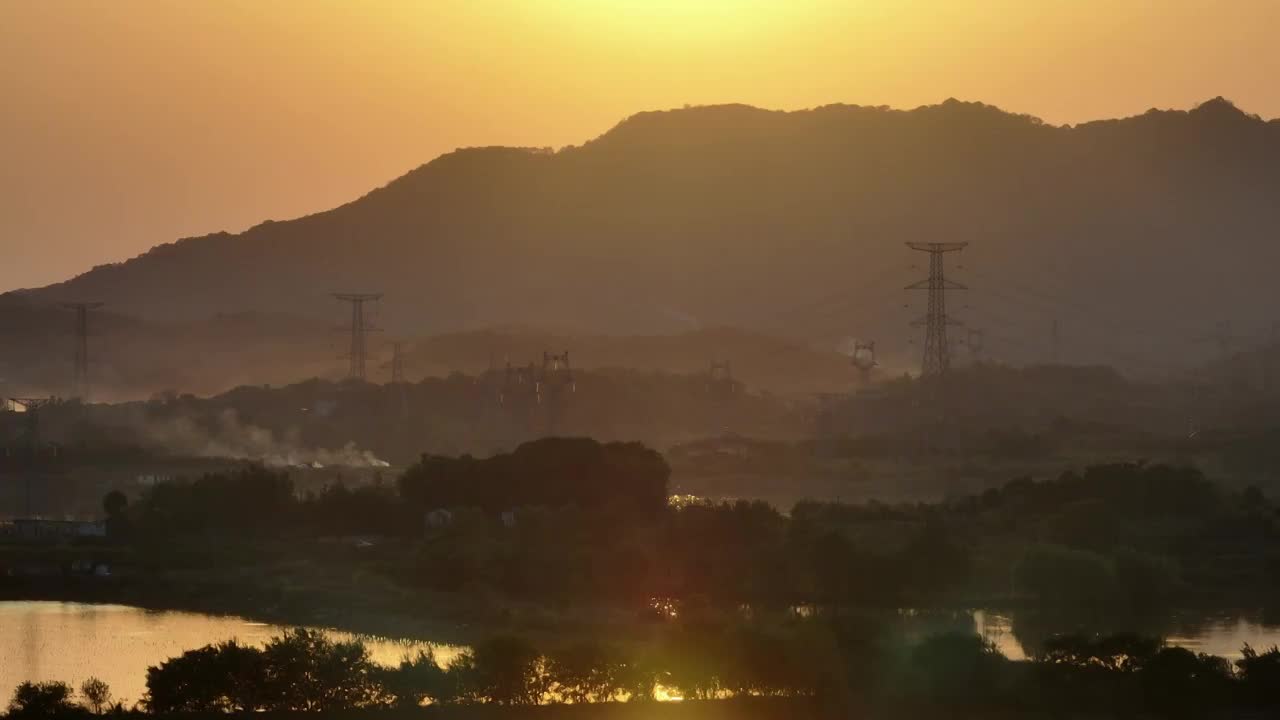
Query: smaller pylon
point(397, 363)
point(82, 309)
point(31, 408)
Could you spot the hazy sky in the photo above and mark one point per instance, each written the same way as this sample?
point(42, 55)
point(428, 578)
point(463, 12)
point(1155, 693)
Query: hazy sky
point(125, 124)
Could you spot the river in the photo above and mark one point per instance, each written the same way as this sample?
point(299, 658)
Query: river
point(74, 641)
point(43, 640)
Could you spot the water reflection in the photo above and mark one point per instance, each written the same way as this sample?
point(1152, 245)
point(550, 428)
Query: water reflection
point(74, 641)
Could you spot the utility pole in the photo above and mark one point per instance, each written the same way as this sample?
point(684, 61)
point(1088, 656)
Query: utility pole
point(31, 408)
point(1056, 338)
point(937, 355)
point(82, 309)
point(359, 328)
point(397, 380)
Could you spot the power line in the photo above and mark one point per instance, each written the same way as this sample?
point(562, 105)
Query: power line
point(883, 278)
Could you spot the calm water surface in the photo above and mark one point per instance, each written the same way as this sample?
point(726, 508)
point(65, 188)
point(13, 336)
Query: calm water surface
point(73, 641)
point(1216, 633)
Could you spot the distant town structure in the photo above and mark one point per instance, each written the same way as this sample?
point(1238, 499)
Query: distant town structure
point(864, 359)
point(720, 383)
point(536, 396)
point(556, 385)
point(44, 530)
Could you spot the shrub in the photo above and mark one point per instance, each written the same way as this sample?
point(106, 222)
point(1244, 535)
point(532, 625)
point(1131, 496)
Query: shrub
point(956, 667)
point(1145, 580)
point(1259, 674)
point(505, 670)
point(308, 671)
point(1061, 575)
point(42, 699)
point(418, 679)
point(586, 672)
point(97, 695)
point(227, 677)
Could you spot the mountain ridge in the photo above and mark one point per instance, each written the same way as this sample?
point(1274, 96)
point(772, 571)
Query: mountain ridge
point(724, 214)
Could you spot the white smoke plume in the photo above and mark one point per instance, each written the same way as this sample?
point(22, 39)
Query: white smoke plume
point(234, 439)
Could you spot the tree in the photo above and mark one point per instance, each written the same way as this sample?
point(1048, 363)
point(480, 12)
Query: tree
point(114, 504)
point(42, 699)
point(307, 671)
point(551, 472)
point(1056, 574)
point(1259, 673)
point(505, 670)
point(227, 677)
point(586, 672)
point(1145, 580)
point(419, 679)
point(1122, 652)
point(97, 695)
point(1177, 681)
point(957, 667)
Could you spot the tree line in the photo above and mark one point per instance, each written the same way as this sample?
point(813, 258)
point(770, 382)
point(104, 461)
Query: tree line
point(833, 666)
point(573, 519)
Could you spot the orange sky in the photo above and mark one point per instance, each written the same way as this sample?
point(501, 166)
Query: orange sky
point(125, 124)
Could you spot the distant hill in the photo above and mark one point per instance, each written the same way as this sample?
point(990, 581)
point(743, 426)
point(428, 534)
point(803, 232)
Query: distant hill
point(1135, 234)
point(133, 358)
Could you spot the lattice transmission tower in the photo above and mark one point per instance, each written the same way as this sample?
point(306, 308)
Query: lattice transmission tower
point(937, 354)
point(359, 328)
point(397, 363)
point(81, 388)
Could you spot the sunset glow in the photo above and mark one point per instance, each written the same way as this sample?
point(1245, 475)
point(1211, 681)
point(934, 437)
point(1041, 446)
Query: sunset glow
point(271, 110)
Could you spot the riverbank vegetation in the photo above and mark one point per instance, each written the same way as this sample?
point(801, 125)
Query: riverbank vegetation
point(830, 668)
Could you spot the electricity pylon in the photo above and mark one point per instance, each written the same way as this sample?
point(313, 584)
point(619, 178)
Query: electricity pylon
point(937, 355)
point(359, 328)
point(82, 309)
point(397, 363)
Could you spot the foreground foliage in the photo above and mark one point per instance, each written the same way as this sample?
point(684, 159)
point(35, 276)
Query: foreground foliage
point(835, 665)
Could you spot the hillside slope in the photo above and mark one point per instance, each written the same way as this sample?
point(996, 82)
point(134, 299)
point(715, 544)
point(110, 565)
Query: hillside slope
point(1136, 234)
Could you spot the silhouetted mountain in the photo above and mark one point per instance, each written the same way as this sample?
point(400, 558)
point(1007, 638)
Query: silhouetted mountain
point(1136, 234)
